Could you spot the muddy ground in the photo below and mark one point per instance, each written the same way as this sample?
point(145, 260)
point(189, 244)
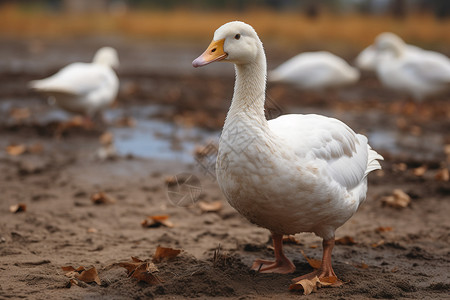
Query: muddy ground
point(400, 253)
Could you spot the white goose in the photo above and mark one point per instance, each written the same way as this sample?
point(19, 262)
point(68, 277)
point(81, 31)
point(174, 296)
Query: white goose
point(417, 73)
point(84, 88)
point(296, 173)
point(367, 59)
point(315, 71)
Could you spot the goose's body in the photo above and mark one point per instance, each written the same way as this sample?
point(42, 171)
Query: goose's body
point(296, 173)
point(315, 71)
point(417, 73)
point(367, 59)
point(84, 88)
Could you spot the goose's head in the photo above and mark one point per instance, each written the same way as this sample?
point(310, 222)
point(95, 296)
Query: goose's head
point(107, 56)
point(235, 42)
point(388, 42)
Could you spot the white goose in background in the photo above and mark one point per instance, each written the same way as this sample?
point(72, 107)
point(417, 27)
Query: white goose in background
point(315, 71)
point(84, 88)
point(418, 74)
point(367, 59)
point(296, 173)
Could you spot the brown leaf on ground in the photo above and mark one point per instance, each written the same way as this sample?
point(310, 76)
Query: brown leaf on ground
point(345, 240)
point(416, 130)
point(20, 207)
point(400, 167)
point(20, 113)
point(88, 276)
point(106, 138)
point(141, 270)
point(442, 175)
point(420, 171)
point(210, 206)
point(378, 244)
point(126, 122)
point(308, 286)
point(314, 263)
point(16, 149)
point(384, 229)
point(35, 148)
point(362, 266)
point(157, 221)
point(398, 199)
point(290, 239)
point(102, 198)
point(162, 253)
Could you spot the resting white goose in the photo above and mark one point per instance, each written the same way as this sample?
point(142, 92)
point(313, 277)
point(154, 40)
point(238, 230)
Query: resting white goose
point(84, 88)
point(296, 173)
point(367, 59)
point(419, 75)
point(315, 71)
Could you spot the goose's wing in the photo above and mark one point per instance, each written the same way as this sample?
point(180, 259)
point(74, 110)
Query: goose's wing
point(75, 79)
point(427, 68)
point(366, 60)
point(347, 155)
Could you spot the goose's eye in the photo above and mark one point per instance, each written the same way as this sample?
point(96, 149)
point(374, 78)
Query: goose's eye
point(237, 36)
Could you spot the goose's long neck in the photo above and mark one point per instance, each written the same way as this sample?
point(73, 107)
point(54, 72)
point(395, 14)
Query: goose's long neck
point(249, 92)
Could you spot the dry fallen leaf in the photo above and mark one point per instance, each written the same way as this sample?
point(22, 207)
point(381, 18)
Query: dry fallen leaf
point(126, 122)
point(362, 265)
point(377, 244)
point(20, 207)
point(416, 130)
point(314, 263)
point(162, 253)
point(290, 239)
point(345, 240)
point(398, 199)
point(420, 171)
point(442, 175)
point(308, 286)
point(210, 206)
point(384, 229)
point(92, 230)
point(16, 149)
point(20, 113)
point(102, 198)
point(156, 221)
point(35, 148)
point(106, 138)
point(141, 270)
point(88, 276)
point(400, 167)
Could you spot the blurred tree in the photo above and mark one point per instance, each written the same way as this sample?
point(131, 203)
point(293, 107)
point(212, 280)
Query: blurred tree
point(398, 8)
point(85, 6)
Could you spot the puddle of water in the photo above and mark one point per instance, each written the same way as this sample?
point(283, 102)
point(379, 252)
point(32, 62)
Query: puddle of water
point(160, 140)
point(156, 139)
point(425, 147)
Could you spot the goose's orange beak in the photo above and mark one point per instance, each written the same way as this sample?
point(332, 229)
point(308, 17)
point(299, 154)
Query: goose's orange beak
point(213, 53)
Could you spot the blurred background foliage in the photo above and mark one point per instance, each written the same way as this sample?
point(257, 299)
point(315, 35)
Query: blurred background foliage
point(422, 22)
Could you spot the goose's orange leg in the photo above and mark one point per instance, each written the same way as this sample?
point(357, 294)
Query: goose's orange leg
point(281, 265)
